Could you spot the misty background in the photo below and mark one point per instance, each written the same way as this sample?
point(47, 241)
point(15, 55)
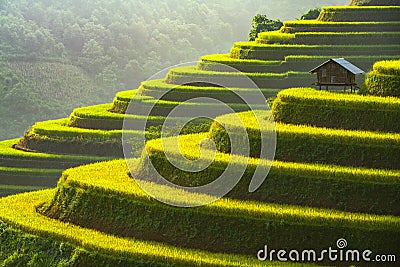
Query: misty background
point(58, 55)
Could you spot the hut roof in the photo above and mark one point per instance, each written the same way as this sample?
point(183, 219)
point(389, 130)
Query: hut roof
point(342, 62)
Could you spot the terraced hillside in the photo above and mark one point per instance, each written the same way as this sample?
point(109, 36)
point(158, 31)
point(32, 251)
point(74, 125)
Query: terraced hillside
point(336, 173)
point(325, 183)
point(275, 61)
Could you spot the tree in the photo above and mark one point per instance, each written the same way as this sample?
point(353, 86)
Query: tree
point(109, 76)
point(74, 38)
point(92, 49)
point(311, 14)
point(261, 23)
point(133, 73)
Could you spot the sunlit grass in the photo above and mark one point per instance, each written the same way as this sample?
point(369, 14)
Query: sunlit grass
point(58, 129)
point(7, 152)
point(388, 67)
point(310, 96)
point(112, 178)
point(20, 212)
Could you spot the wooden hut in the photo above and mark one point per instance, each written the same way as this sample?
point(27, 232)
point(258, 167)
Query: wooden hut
point(336, 72)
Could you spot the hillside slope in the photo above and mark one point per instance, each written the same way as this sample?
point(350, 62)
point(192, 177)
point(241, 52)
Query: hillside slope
point(335, 180)
point(32, 91)
point(115, 44)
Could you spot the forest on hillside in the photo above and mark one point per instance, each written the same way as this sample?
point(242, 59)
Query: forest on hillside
point(57, 55)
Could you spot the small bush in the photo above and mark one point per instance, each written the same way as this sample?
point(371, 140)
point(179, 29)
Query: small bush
point(261, 23)
point(384, 80)
point(311, 14)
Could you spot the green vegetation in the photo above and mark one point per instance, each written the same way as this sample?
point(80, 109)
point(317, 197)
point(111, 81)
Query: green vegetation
point(349, 187)
point(326, 183)
point(290, 63)
point(29, 177)
point(121, 101)
point(374, 3)
point(172, 94)
point(102, 249)
point(96, 117)
point(251, 50)
point(10, 157)
point(360, 13)
point(56, 137)
point(337, 110)
point(241, 226)
point(301, 143)
point(384, 79)
point(322, 26)
point(33, 91)
point(41, 79)
point(101, 118)
point(103, 36)
point(388, 67)
point(330, 38)
point(260, 24)
point(276, 37)
point(6, 190)
point(58, 129)
point(183, 92)
point(163, 107)
point(59, 56)
point(46, 251)
point(186, 75)
point(311, 14)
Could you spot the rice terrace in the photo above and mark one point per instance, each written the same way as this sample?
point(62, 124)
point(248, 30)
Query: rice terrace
point(303, 122)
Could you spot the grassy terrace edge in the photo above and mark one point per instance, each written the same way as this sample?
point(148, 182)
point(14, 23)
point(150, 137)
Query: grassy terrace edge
point(99, 117)
point(11, 157)
point(192, 75)
point(90, 184)
point(143, 104)
point(329, 38)
point(301, 143)
point(6, 190)
point(252, 50)
point(185, 92)
point(345, 111)
point(58, 138)
point(322, 26)
point(359, 13)
point(58, 129)
point(20, 213)
point(300, 63)
point(348, 185)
